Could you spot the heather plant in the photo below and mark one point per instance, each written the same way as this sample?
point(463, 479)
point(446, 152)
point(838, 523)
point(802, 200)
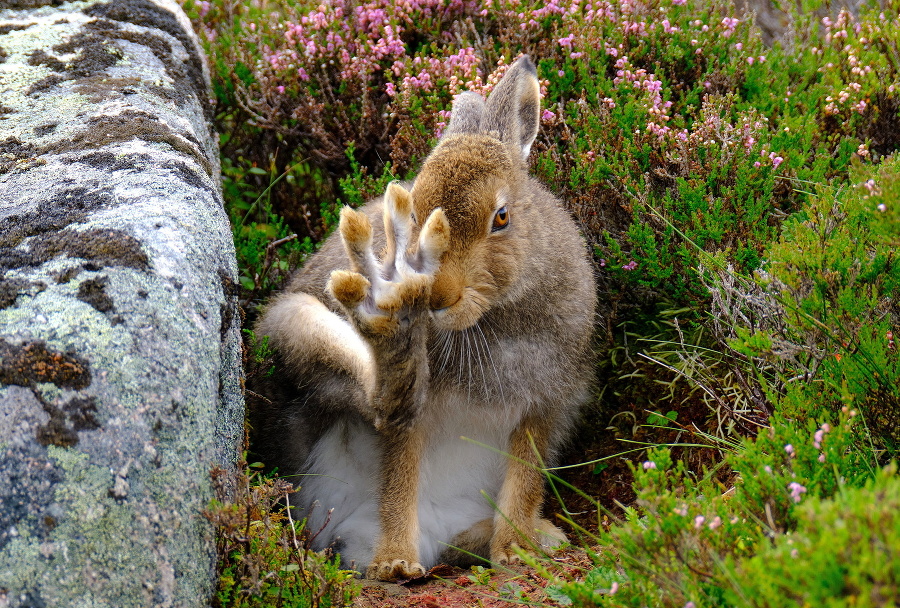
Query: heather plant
point(264, 560)
point(690, 540)
point(818, 324)
point(842, 552)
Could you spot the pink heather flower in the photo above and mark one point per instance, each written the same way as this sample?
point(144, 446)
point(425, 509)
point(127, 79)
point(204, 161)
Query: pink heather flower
point(767, 469)
point(679, 2)
point(680, 511)
point(575, 55)
point(280, 89)
point(882, 207)
point(698, 522)
point(739, 46)
point(567, 41)
point(649, 465)
point(789, 449)
point(822, 458)
point(613, 588)
point(715, 523)
point(796, 490)
point(777, 161)
point(561, 73)
point(630, 265)
point(819, 436)
point(826, 427)
point(750, 60)
point(757, 164)
point(689, 604)
point(762, 58)
point(390, 89)
point(547, 115)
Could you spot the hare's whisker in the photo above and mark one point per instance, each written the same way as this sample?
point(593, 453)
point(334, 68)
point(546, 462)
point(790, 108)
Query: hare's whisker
point(479, 358)
point(447, 355)
point(490, 357)
point(468, 353)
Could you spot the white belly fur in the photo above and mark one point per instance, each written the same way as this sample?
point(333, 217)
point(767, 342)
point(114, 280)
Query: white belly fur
point(342, 473)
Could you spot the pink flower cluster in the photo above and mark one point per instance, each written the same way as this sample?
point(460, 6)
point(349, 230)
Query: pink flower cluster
point(641, 80)
point(796, 490)
point(360, 39)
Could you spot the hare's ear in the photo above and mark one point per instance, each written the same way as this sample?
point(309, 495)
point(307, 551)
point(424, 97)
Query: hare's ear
point(465, 117)
point(513, 108)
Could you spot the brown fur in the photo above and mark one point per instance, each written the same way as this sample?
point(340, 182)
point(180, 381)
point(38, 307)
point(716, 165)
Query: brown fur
point(527, 289)
point(397, 551)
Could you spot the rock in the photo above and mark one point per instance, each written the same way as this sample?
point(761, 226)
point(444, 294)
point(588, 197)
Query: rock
point(119, 326)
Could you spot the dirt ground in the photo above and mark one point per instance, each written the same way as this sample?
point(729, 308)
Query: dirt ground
point(448, 587)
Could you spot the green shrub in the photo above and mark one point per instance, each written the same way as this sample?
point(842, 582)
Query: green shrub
point(825, 307)
point(687, 536)
point(842, 553)
point(263, 560)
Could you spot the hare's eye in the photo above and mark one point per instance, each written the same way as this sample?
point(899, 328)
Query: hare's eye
point(501, 220)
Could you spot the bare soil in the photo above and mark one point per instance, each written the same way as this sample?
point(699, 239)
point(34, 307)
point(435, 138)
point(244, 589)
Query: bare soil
point(449, 587)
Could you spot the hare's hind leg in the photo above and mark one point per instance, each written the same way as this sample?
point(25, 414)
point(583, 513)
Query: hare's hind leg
point(312, 339)
point(470, 547)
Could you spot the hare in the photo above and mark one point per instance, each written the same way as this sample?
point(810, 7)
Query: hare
point(439, 348)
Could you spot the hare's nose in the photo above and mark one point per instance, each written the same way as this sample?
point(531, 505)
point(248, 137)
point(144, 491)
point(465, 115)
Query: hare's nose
point(445, 292)
point(442, 301)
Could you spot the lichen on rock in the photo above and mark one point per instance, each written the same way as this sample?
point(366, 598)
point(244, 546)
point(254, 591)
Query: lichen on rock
point(119, 333)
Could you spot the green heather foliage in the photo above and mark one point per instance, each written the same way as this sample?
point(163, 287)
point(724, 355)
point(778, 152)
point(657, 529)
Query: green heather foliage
point(688, 540)
point(826, 306)
point(263, 561)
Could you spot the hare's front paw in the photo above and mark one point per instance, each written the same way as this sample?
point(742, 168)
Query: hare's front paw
point(381, 297)
point(394, 570)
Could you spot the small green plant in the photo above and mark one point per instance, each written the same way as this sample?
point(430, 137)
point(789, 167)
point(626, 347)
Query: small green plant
point(842, 553)
point(481, 575)
point(263, 560)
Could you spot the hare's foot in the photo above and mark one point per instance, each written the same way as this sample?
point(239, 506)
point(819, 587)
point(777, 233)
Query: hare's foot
point(394, 570)
point(382, 297)
point(541, 537)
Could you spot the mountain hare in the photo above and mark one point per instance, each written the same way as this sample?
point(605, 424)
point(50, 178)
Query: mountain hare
point(439, 349)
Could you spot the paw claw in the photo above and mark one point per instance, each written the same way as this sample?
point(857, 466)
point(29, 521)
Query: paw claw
point(506, 557)
point(394, 570)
